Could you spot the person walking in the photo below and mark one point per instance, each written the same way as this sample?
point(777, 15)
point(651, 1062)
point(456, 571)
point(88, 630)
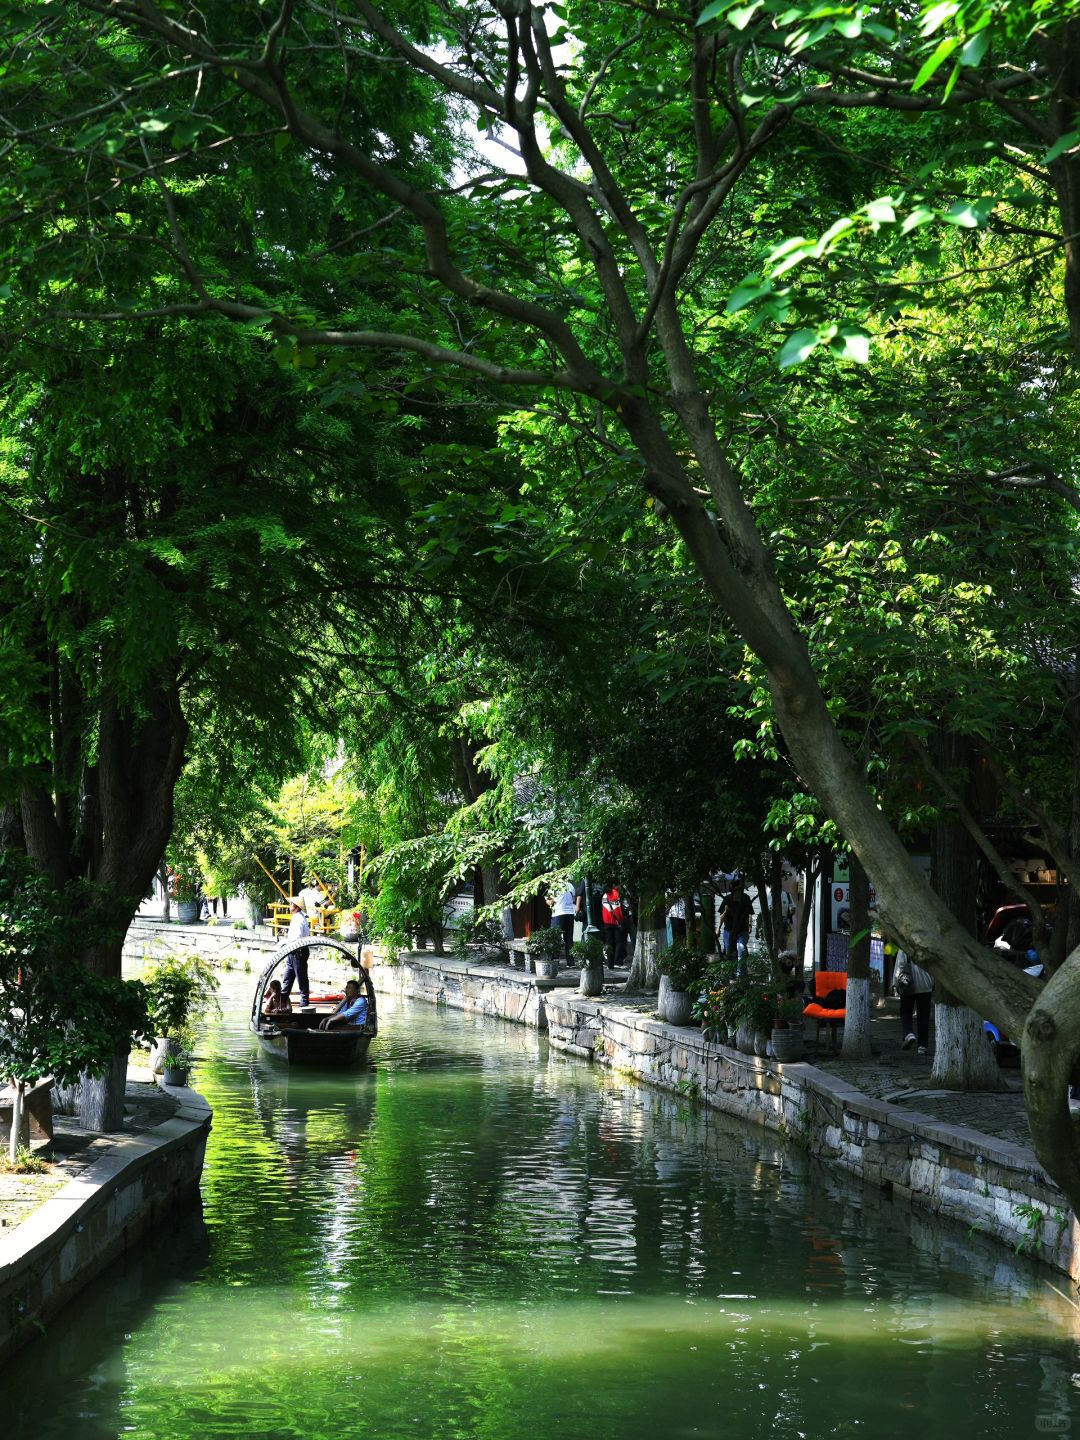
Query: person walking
point(296, 965)
point(562, 917)
point(677, 918)
point(733, 924)
point(914, 985)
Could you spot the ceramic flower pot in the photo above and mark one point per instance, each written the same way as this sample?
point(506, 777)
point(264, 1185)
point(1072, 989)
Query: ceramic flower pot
point(174, 1076)
point(787, 1045)
point(677, 1007)
point(744, 1040)
point(592, 980)
point(187, 911)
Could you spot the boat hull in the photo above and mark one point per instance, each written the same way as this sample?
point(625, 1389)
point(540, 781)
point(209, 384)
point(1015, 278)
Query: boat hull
point(334, 1049)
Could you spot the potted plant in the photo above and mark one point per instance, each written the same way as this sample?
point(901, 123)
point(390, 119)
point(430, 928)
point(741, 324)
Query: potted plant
point(544, 947)
point(714, 1003)
point(177, 1065)
point(739, 1009)
point(682, 973)
point(589, 954)
point(178, 993)
point(787, 1031)
point(762, 1011)
point(186, 891)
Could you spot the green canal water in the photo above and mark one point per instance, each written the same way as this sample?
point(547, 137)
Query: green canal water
point(477, 1238)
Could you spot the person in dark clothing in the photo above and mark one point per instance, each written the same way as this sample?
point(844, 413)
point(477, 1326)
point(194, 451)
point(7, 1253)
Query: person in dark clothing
point(733, 924)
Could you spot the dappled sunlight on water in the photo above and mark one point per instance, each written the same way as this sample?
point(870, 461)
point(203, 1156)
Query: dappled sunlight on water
point(474, 1238)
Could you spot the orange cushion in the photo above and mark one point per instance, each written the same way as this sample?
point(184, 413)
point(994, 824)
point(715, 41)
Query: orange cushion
point(819, 1012)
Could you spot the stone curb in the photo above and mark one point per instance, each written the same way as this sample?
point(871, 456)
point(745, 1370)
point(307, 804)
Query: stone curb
point(96, 1215)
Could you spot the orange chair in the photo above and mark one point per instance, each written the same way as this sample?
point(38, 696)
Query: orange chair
point(829, 1005)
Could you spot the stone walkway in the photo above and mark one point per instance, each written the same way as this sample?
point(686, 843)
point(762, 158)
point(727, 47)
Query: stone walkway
point(75, 1148)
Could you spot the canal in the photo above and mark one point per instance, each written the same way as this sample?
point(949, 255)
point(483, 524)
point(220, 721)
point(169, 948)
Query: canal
point(477, 1238)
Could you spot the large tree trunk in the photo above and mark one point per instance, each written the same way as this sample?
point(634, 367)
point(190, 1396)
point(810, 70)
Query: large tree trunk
point(644, 976)
point(963, 1058)
point(857, 1020)
point(98, 1100)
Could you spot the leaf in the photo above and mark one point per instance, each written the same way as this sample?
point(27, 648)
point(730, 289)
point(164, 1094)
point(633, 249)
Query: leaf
point(937, 59)
point(968, 214)
point(712, 11)
point(1061, 145)
point(797, 347)
point(852, 343)
point(881, 212)
point(973, 52)
point(282, 140)
point(936, 16)
point(746, 295)
point(740, 17)
point(919, 216)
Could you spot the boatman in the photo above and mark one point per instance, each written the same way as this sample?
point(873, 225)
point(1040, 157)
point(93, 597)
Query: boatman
point(351, 1011)
point(296, 965)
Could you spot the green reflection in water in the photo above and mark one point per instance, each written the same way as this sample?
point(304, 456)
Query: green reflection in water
point(475, 1239)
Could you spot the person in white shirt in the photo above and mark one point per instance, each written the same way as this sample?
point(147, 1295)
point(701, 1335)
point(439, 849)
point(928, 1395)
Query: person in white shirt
point(677, 917)
point(562, 917)
point(296, 965)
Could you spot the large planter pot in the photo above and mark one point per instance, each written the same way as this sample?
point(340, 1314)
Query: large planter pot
point(187, 911)
point(744, 1040)
point(677, 1006)
point(253, 912)
point(761, 1044)
point(160, 1051)
point(787, 1045)
point(546, 971)
point(176, 1076)
point(592, 980)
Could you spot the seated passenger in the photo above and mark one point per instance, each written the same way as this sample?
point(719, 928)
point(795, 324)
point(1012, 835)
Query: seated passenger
point(276, 1003)
point(351, 1011)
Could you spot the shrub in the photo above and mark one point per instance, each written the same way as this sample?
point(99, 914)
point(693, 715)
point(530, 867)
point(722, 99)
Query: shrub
point(684, 966)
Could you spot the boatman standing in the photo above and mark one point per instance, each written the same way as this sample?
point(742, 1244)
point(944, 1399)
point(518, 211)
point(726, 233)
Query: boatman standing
point(296, 965)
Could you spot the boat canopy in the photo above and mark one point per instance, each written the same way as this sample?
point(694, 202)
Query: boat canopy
point(313, 942)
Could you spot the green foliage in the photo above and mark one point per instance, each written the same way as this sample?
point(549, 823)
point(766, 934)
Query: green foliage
point(60, 1019)
point(684, 965)
point(545, 944)
point(589, 952)
point(179, 992)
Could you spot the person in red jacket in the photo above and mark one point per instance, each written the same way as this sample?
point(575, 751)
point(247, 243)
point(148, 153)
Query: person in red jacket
point(615, 915)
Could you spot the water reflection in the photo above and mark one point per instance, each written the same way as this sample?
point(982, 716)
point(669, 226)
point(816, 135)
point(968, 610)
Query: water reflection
point(475, 1238)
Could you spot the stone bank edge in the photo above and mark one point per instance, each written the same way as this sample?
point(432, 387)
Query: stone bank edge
point(979, 1181)
point(96, 1216)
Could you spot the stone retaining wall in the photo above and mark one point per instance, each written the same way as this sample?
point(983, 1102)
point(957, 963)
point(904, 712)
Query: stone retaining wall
point(96, 1216)
point(983, 1183)
point(479, 989)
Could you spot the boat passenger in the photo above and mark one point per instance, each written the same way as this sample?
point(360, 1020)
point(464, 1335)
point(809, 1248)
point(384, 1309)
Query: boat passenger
point(351, 1011)
point(276, 1003)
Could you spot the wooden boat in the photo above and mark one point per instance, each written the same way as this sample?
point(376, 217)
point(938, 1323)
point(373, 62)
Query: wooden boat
point(296, 1038)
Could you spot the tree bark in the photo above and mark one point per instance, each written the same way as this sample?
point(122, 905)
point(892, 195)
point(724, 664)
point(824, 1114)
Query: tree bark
point(644, 976)
point(857, 1020)
point(963, 1058)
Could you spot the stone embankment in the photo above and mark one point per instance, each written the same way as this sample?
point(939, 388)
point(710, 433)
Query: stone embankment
point(982, 1181)
point(112, 1194)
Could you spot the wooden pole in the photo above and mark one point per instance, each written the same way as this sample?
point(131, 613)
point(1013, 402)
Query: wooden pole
point(270, 877)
